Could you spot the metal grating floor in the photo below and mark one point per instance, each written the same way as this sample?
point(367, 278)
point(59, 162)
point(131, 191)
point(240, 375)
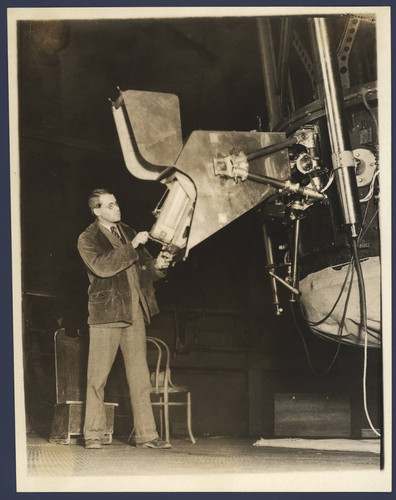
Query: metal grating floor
point(209, 456)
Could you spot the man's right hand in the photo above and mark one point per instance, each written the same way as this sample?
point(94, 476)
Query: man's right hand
point(140, 239)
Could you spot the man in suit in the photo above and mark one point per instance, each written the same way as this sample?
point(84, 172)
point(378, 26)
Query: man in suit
point(120, 299)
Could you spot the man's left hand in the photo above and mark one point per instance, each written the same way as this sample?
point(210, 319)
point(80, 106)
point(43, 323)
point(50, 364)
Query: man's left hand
point(163, 260)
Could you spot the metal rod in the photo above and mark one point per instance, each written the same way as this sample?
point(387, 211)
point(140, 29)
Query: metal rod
point(291, 92)
point(287, 186)
point(284, 51)
point(318, 79)
point(295, 255)
point(272, 148)
point(343, 162)
point(285, 283)
point(268, 65)
point(263, 179)
point(270, 263)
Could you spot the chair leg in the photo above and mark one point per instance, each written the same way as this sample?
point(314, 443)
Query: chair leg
point(166, 415)
point(189, 418)
point(161, 411)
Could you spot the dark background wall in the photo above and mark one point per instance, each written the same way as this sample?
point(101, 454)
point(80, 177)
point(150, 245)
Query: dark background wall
point(216, 307)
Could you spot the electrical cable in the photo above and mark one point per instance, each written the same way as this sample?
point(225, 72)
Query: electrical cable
point(361, 282)
point(329, 183)
point(362, 291)
point(322, 320)
point(369, 224)
point(363, 312)
point(361, 234)
point(339, 335)
point(362, 296)
point(369, 109)
point(370, 193)
point(317, 323)
point(363, 223)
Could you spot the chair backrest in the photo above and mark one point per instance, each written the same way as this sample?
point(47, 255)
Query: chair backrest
point(162, 374)
point(71, 358)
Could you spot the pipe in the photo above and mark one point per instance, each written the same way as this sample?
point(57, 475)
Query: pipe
point(342, 156)
point(267, 53)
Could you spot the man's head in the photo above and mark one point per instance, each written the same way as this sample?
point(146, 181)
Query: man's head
point(104, 205)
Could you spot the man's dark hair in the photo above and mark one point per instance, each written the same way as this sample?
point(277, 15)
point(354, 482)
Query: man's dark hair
point(93, 201)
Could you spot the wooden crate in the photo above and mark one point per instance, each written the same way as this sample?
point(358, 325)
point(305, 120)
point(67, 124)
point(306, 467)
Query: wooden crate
point(312, 415)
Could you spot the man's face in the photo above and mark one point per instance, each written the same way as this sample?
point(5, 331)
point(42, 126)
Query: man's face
point(109, 211)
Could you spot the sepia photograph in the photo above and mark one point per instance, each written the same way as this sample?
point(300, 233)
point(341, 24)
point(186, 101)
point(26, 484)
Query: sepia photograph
point(201, 248)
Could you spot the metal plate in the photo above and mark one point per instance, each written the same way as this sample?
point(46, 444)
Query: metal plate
point(221, 201)
point(365, 166)
point(155, 121)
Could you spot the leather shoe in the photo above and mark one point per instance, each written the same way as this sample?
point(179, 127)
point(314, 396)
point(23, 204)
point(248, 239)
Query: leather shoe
point(93, 444)
point(156, 444)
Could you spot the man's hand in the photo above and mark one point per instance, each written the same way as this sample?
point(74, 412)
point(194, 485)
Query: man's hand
point(163, 260)
point(140, 239)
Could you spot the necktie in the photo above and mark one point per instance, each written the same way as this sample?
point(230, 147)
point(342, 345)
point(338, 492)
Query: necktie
point(114, 231)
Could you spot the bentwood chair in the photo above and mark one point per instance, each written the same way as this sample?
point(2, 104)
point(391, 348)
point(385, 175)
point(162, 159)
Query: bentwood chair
point(165, 389)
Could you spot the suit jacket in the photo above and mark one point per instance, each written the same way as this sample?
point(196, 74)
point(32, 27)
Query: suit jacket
point(109, 292)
